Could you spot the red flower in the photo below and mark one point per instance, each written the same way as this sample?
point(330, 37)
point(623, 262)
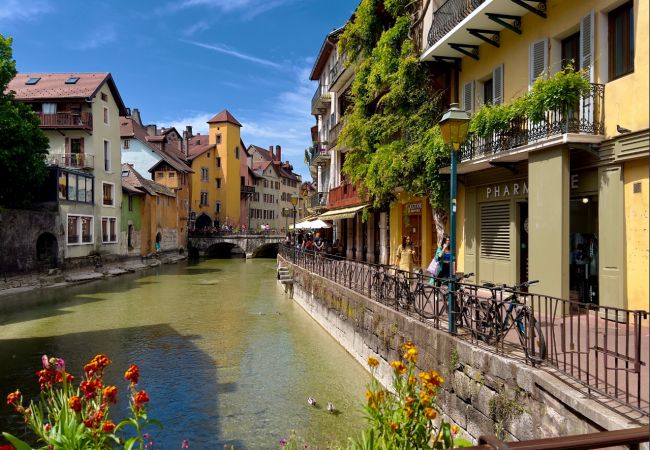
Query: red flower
point(110, 394)
point(90, 387)
point(140, 397)
point(132, 374)
point(74, 403)
point(96, 365)
point(13, 398)
point(91, 368)
point(7, 447)
point(46, 377)
point(108, 426)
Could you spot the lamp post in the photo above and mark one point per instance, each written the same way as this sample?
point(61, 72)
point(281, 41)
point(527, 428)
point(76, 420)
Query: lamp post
point(294, 202)
point(453, 126)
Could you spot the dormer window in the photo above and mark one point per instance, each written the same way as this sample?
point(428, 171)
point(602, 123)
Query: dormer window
point(72, 80)
point(32, 81)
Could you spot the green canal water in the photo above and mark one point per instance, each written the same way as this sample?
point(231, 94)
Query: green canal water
point(225, 356)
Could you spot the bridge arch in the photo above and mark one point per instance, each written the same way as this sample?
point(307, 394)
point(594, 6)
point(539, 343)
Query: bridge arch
point(225, 250)
point(203, 221)
point(268, 250)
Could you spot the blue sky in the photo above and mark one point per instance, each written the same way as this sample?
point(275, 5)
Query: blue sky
point(180, 62)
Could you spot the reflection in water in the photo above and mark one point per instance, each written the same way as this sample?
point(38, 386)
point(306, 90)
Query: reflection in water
point(225, 357)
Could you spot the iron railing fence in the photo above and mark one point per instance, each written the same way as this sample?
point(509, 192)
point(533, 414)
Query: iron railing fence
point(587, 117)
point(71, 160)
point(322, 93)
point(599, 347)
point(317, 200)
point(450, 14)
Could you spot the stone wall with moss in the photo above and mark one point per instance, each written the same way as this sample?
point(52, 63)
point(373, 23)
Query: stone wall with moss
point(484, 393)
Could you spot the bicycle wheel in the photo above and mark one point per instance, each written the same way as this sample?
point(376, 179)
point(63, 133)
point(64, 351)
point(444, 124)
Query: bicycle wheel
point(403, 293)
point(531, 337)
point(425, 302)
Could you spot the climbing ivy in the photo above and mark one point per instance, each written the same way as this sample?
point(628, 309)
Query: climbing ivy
point(391, 125)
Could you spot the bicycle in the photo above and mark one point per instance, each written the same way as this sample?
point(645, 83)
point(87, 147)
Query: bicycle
point(461, 303)
point(492, 325)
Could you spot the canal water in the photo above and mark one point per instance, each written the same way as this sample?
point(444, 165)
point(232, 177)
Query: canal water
point(225, 356)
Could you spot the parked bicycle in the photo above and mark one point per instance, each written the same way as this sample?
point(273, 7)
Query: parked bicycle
point(493, 318)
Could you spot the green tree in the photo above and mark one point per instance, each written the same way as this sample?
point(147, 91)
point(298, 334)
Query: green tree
point(391, 125)
point(23, 145)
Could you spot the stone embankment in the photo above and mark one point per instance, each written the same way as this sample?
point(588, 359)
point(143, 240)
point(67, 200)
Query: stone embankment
point(17, 283)
point(484, 393)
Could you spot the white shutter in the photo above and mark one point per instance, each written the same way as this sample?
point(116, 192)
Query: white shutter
point(468, 96)
point(537, 60)
point(587, 45)
point(497, 85)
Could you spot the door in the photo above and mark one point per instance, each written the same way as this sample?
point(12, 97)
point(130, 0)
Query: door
point(523, 242)
point(415, 233)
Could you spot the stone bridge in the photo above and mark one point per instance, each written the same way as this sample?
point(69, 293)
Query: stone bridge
point(252, 245)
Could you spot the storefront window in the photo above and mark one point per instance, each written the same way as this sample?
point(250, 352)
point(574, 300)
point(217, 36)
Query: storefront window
point(583, 276)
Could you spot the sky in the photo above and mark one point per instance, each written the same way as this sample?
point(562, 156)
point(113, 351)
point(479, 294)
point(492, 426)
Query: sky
point(181, 62)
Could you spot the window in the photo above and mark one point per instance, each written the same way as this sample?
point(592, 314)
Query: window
point(127, 142)
point(208, 155)
point(32, 81)
point(130, 237)
point(107, 156)
point(76, 145)
point(160, 175)
point(171, 174)
point(80, 229)
point(48, 108)
point(109, 227)
point(76, 188)
point(218, 159)
point(217, 207)
point(106, 115)
point(204, 199)
point(72, 80)
point(204, 174)
point(218, 138)
point(237, 152)
point(488, 92)
point(242, 181)
point(218, 183)
point(621, 41)
point(130, 202)
point(104, 97)
point(108, 194)
point(570, 48)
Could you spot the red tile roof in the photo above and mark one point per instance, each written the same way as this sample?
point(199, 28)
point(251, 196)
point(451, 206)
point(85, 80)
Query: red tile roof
point(225, 116)
point(52, 86)
point(134, 180)
point(198, 150)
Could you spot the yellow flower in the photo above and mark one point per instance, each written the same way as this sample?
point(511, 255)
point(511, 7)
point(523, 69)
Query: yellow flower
point(430, 413)
point(393, 426)
point(411, 355)
point(372, 362)
point(408, 345)
point(455, 429)
point(411, 381)
point(399, 367)
point(425, 398)
point(408, 411)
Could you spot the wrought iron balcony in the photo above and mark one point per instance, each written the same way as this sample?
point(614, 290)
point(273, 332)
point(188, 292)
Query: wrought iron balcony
point(320, 99)
point(317, 201)
point(450, 14)
point(71, 160)
point(320, 155)
point(338, 68)
point(247, 190)
point(586, 118)
point(66, 120)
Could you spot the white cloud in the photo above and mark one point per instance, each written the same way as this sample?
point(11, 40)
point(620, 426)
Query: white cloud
point(222, 48)
point(248, 8)
point(197, 120)
point(196, 28)
point(101, 36)
point(15, 10)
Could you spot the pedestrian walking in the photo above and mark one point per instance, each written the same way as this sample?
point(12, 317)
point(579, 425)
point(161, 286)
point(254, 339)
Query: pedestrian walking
point(405, 255)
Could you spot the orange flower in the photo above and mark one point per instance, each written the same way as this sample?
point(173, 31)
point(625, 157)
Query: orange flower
point(140, 398)
point(101, 360)
point(110, 393)
point(372, 362)
point(91, 368)
point(74, 403)
point(411, 381)
point(455, 429)
point(425, 398)
point(399, 367)
point(132, 374)
point(411, 355)
point(430, 413)
point(14, 397)
point(393, 426)
point(408, 410)
point(108, 426)
point(408, 345)
point(90, 387)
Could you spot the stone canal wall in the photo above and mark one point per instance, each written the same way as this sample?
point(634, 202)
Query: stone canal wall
point(484, 393)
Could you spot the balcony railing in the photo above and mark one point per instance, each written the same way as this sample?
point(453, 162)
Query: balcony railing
point(71, 160)
point(344, 195)
point(318, 200)
point(321, 154)
point(334, 133)
point(587, 118)
point(338, 68)
point(247, 190)
point(83, 121)
point(450, 14)
point(321, 95)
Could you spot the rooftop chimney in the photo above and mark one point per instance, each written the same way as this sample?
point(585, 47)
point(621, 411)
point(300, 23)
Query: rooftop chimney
point(135, 115)
point(188, 129)
point(278, 153)
point(271, 153)
point(152, 130)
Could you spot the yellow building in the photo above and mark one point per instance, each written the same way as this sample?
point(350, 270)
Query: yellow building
point(215, 183)
point(564, 199)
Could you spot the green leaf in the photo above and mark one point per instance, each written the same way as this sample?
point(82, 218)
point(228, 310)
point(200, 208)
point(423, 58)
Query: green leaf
point(17, 443)
point(128, 445)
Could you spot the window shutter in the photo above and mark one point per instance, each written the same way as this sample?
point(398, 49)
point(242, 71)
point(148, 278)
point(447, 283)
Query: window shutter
point(497, 84)
point(537, 59)
point(468, 96)
point(67, 145)
point(587, 45)
point(81, 145)
point(495, 231)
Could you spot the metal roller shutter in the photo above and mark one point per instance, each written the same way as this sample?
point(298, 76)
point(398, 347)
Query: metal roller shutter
point(495, 231)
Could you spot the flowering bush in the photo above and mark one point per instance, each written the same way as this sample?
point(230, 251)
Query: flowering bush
point(405, 419)
point(78, 418)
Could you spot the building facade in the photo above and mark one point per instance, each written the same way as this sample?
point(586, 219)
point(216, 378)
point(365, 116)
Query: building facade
point(562, 199)
point(80, 114)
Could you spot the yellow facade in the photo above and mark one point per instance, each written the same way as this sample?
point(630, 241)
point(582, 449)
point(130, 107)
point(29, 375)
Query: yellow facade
point(412, 216)
point(209, 184)
point(230, 152)
point(636, 233)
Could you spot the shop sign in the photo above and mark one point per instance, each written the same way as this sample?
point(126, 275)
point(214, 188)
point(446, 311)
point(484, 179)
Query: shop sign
point(414, 208)
point(506, 190)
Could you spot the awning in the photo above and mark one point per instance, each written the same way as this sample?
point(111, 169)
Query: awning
point(311, 225)
point(343, 213)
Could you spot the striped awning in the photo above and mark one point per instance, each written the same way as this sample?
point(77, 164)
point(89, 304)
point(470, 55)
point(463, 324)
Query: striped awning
point(343, 213)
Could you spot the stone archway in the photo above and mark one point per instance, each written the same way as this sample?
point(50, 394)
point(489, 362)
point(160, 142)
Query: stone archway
point(203, 221)
point(225, 250)
point(47, 250)
point(266, 251)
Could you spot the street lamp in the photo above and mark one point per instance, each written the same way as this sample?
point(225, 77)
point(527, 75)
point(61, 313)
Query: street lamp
point(294, 202)
point(453, 126)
